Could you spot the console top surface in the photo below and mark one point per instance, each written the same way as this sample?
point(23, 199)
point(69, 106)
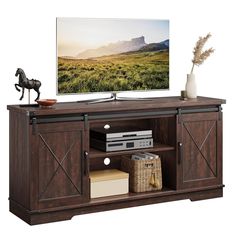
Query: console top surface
point(117, 106)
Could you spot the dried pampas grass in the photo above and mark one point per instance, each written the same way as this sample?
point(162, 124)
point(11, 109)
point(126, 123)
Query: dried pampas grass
point(199, 56)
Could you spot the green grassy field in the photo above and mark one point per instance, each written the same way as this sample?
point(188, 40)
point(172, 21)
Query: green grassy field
point(127, 71)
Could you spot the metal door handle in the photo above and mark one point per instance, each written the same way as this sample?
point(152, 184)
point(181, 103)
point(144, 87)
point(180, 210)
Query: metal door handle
point(180, 154)
point(85, 163)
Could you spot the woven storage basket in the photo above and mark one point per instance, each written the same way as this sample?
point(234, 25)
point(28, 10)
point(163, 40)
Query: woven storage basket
point(144, 175)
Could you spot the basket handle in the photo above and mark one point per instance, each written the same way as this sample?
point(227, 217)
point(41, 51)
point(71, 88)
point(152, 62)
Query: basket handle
point(148, 165)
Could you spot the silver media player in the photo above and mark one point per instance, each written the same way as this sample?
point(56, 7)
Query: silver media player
point(129, 135)
point(120, 138)
point(129, 138)
point(123, 144)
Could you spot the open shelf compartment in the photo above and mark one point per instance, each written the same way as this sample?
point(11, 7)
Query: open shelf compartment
point(164, 139)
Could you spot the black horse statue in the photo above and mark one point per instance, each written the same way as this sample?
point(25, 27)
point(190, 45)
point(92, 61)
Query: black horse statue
point(26, 83)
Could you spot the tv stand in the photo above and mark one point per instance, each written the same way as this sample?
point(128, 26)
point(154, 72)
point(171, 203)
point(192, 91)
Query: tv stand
point(114, 97)
point(50, 156)
point(110, 99)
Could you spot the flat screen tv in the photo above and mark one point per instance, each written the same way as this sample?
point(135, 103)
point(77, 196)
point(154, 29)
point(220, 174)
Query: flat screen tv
point(112, 55)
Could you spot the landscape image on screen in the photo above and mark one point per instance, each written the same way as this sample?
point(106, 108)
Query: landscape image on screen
point(99, 55)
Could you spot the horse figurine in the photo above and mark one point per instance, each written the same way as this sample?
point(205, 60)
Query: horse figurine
point(26, 83)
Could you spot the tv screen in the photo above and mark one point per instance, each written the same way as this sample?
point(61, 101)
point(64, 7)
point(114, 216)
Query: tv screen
point(101, 55)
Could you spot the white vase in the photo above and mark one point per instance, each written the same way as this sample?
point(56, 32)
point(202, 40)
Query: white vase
point(191, 86)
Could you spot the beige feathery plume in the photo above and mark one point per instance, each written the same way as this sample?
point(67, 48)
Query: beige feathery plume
point(199, 56)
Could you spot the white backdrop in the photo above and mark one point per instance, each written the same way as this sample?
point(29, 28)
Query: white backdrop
point(28, 40)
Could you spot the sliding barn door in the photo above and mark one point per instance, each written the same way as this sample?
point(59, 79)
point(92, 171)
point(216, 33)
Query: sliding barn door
point(199, 149)
point(58, 156)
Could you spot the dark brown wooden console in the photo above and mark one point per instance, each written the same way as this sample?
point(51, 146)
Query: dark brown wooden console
point(50, 154)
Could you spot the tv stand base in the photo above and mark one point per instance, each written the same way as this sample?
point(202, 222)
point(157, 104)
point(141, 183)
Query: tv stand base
point(114, 97)
point(105, 204)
